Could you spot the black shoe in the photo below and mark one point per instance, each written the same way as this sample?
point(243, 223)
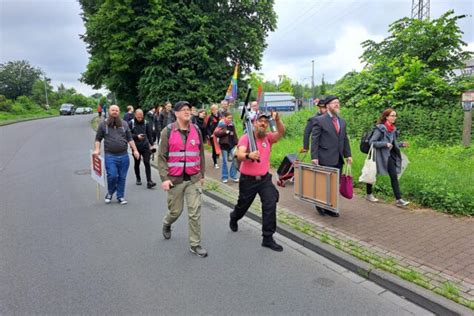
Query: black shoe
point(233, 225)
point(150, 184)
point(167, 231)
point(270, 243)
point(139, 182)
point(320, 211)
point(332, 214)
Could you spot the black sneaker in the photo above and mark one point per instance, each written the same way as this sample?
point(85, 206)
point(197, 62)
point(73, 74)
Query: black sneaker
point(233, 225)
point(108, 198)
point(122, 201)
point(332, 214)
point(320, 211)
point(270, 243)
point(139, 182)
point(150, 184)
point(167, 231)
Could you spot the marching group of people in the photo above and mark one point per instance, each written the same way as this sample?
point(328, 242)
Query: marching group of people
point(177, 135)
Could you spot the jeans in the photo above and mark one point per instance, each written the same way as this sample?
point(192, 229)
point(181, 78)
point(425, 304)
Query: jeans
point(225, 169)
point(117, 168)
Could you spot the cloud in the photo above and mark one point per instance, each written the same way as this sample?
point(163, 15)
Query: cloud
point(46, 33)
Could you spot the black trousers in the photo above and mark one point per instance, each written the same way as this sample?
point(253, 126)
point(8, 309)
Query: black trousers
point(392, 172)
point(146, 161)
point(249, 187)
point(215, 156)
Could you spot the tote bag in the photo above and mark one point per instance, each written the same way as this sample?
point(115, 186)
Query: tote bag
point(369, 171)
point(346, 187)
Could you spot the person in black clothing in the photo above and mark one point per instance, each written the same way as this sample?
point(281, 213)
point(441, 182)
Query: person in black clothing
point(201, 122)
point(194, 114)
point(142, 135)
point(310, 124)
point(166, 117)
point(152, 118)
point(212, 122)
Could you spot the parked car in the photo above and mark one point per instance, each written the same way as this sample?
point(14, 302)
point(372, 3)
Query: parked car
point(66, 109)
point(80, 110)
point(88, 110)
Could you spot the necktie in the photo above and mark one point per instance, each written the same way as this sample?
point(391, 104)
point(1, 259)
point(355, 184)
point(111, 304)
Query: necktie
point(336, 123)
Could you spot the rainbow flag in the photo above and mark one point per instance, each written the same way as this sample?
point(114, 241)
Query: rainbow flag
point(231, 93)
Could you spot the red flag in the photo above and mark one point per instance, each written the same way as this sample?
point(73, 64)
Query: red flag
point(259, 93)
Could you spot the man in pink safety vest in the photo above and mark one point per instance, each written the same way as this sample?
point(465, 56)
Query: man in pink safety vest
point(181, 166)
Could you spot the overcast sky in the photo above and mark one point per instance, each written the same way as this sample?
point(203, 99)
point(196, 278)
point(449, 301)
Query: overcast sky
point(46, 33)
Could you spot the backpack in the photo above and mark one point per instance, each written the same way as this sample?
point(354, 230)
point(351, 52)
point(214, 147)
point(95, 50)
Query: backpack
point(365, 141)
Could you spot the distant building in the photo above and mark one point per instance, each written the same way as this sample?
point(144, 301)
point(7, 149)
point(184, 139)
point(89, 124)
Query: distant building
point(467, 70)
point(277, 101)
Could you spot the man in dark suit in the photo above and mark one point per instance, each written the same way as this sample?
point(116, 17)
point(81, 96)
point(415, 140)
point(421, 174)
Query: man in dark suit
point(329, 141)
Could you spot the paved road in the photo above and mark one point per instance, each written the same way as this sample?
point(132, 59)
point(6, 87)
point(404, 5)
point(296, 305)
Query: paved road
point(63, 252)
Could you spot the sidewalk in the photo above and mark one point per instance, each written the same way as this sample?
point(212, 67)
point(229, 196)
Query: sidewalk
point(431, 247)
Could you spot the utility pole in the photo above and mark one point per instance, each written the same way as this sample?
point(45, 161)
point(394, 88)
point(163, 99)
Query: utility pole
point(46, 94)
point(420, 9)
point(312, 80)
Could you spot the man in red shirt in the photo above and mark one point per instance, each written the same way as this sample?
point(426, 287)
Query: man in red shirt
point(255, 178)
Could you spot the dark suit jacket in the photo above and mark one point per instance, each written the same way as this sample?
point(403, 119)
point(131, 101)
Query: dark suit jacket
point(326, 145)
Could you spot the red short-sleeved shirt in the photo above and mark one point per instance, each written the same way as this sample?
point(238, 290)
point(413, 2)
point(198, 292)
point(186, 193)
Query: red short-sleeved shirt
point(264, 146)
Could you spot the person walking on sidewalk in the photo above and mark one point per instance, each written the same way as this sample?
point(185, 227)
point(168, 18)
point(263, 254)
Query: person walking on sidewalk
point(256, 179)
point(228, 139)
point(127, 117)
point(167, 116)
point(388, 156)
point(212, 122)
point(181, 166)
point(99, 110)
point(329, 141)
point(310, 124)
point(117, 138)
point(143, 137)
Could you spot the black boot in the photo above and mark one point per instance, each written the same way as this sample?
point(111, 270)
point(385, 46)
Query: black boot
point(233, 225)
point(139, 182)
point(269, 242)
point(150, 184)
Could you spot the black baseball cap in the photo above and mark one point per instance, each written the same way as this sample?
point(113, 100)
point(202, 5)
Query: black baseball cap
point(181, 104)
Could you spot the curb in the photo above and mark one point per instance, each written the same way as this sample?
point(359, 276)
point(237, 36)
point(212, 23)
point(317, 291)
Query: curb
point(435, 303)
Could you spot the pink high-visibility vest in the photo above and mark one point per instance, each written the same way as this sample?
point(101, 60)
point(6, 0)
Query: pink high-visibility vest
point(184, 157)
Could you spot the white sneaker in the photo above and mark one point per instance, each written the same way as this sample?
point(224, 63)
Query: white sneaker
point(216, 166)
point(371, 198)
point(236, 180)
point(224, 181)
point(402, 203)
point(122, 201)
point(108, 198)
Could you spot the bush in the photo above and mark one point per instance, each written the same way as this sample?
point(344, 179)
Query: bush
point(438, 176)
point(26, 103)
point(5, 104)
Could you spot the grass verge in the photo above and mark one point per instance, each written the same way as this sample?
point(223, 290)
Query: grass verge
point(9, 118)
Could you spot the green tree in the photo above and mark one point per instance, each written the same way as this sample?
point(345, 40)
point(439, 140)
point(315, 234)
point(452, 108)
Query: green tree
point(150, 51)
point(17, 78)
point(412, 67)
point(285, 84)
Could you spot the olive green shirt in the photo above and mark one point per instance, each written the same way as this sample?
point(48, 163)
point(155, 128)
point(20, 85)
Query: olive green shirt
point(163, 151)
